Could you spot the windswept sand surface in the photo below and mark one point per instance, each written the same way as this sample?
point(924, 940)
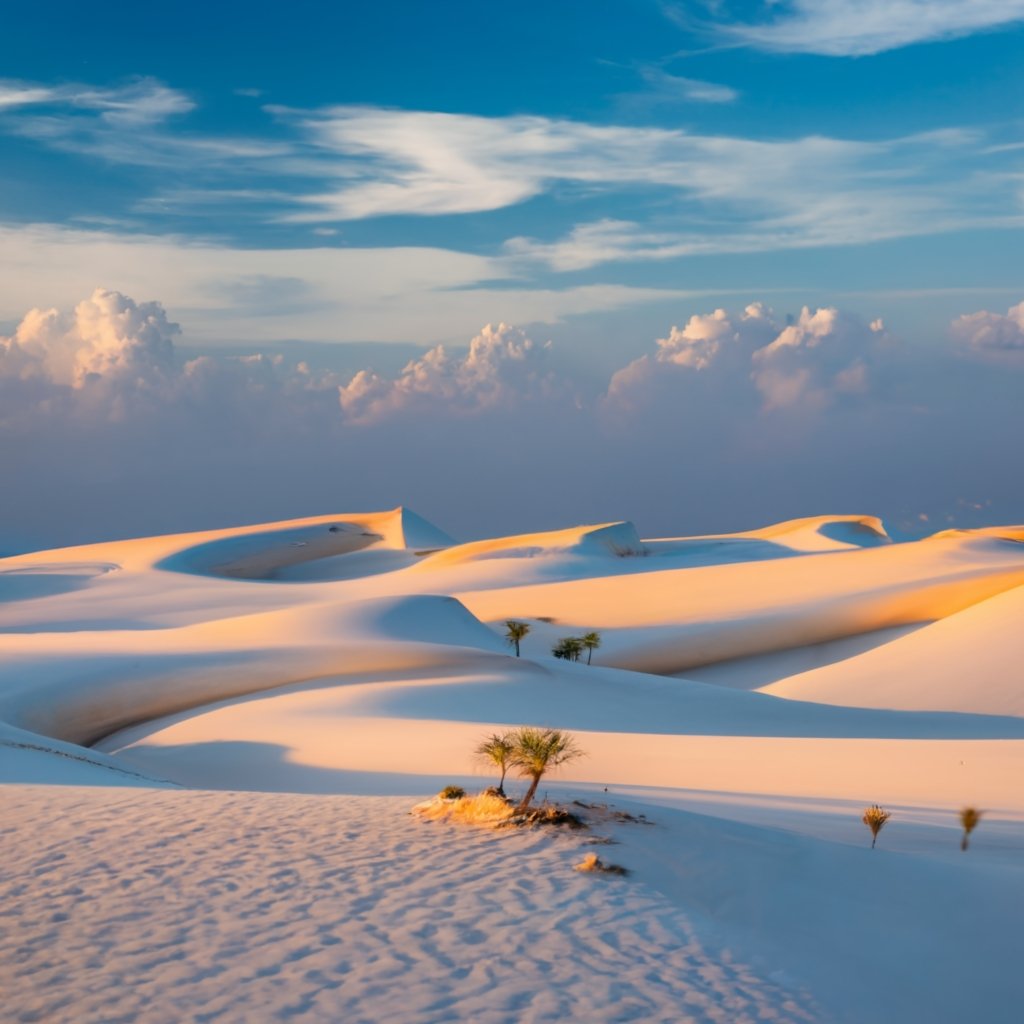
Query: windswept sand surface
point(186, 906)
point(325, 674)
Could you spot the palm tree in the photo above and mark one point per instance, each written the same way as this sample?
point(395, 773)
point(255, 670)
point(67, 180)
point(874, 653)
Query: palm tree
point(497, 750)
point(591, 642)
point(514, 632)
point(875, 819)
point(568, 647)
point(969, 818)
point(536, 751)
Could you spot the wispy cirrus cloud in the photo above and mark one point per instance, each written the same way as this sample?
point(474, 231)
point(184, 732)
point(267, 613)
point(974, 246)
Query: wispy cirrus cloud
point(670, 88)
point(859, 28)
point(323, 292)
point(129, 123)
point(730, 194)
point(684, 192)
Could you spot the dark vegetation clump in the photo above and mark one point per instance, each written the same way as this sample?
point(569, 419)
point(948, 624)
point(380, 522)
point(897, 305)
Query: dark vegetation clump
point(452, 793)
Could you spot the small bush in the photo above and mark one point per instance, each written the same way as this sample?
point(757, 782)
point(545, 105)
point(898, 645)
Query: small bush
point(552, 814)
point(452, 793)
point(591, 862)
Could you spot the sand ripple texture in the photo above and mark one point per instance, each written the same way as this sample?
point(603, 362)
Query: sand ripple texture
point(148, 906)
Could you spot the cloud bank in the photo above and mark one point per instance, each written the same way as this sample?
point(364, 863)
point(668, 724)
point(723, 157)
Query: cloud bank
point(809, 362)
point(107, 429)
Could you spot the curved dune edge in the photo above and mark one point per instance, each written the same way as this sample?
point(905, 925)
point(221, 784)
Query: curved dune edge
point(247, 552)
point(80, 686)
point(707, 643)
point(967, 662)
point(824, 533)
point(619, 540)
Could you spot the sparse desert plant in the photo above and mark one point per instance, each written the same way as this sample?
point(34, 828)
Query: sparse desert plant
point(569, 647)
point(537, 751)
point(514, 633)
point(483, 809)
point(550, 814)
point(591, 641)
point(591, 862)
point(875, 819)
point(574, 646)
point(969, 818)
point(497, 750)
point(452, 793)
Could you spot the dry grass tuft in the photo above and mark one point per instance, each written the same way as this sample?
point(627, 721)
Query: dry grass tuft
point(969, 818)
point(495, 811)
point(482, 809)
point(875, 819)
point(591, 862)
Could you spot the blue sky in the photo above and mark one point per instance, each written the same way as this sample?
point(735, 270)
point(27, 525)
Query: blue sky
point(592, 172)
point(652, 146)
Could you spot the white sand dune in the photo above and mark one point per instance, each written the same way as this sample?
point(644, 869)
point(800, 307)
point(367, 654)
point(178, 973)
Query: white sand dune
point(669, 620)
point(617, 540)
point(962, 663)
point(346, 658)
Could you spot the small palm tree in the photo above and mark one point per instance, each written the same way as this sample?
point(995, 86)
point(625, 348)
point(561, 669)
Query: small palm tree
point(875, 819)
point(514, 632)
point(536, 751)
point(969, 818)
point(573, 647)
point(591, 642)
point(497, 750)
point(564, 649)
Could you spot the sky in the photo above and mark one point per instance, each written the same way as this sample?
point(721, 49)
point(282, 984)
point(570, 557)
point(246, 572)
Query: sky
point(701, 265)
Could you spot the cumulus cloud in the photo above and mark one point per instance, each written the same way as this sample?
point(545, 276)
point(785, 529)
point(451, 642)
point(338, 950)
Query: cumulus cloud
point(107, 336)
point(992, 334)
point(819, 356)
point(113, 346)
point(806, 363)
point(501, 368)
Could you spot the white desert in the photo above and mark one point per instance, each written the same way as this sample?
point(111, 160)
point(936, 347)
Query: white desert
point(211, 745)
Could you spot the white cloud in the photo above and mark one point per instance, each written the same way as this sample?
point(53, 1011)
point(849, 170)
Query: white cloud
point(807, 363)
point(992, 334)
point(22, 94)
point(728, 194)
point(135, 104)
point(817, 357)
point(315, 294)
point(107, 336)
point(856, 28)
point(668, 88)
point(502, 368)
point(411, 162)
point(109, 351)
